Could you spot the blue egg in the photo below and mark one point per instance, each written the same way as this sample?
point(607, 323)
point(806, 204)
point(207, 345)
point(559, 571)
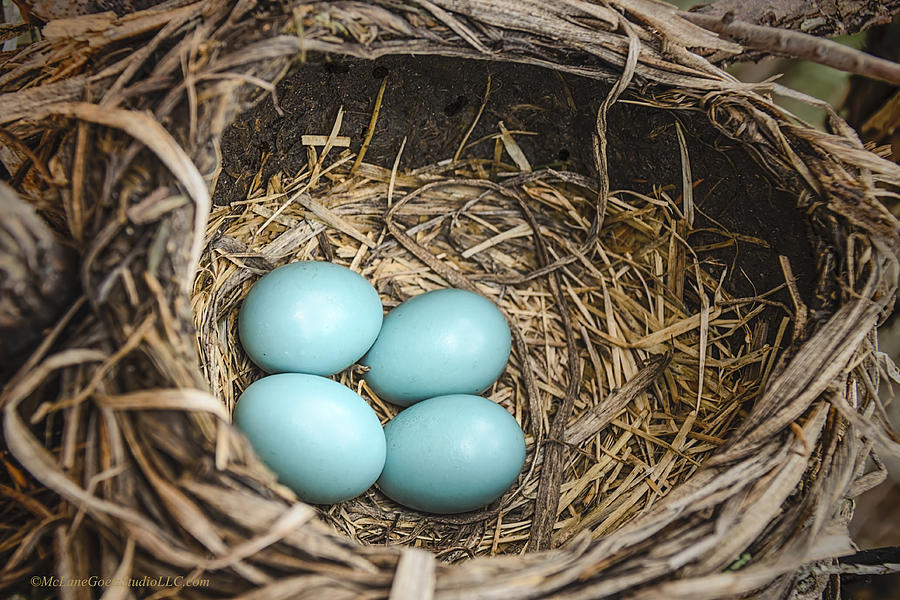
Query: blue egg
point(320, 437)
point(451, 454)
point(309, 317)
point(442, 342)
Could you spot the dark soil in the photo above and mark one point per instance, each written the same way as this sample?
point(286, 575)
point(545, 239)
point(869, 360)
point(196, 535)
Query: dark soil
point(432, 101)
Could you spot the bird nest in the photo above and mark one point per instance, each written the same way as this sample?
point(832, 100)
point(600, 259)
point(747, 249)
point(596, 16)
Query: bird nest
point(692, 279)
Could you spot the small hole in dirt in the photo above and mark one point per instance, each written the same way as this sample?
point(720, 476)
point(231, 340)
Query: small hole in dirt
point(456, 106)
point(563, 155)
point(336, 68)
point(379, 73)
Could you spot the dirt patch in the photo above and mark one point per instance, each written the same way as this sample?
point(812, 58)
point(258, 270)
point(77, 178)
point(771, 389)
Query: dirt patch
point(430, 101)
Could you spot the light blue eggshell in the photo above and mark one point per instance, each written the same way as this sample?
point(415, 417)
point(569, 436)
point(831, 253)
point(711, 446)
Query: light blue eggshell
point(309, 317)
point(320, 437)
point(451, 454)
point(443, 342)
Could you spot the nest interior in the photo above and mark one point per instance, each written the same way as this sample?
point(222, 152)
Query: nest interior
point(432, 102)
point(628, 296)
point(762, 270)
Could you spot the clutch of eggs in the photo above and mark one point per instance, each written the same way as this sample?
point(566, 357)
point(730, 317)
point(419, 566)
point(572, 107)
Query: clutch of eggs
point(450, 452)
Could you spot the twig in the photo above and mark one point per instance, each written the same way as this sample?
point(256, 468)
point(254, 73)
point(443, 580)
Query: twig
point(801, 312)
point(547, 501)
point(484, 101)
point(781, 42)
point(602, 415)
point(818, 17)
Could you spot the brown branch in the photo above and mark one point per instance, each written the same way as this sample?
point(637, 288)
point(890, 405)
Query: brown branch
point(782, 42)
point(818, 17)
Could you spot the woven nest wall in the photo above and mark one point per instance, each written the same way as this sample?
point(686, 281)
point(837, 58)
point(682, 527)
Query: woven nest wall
point(686, 437)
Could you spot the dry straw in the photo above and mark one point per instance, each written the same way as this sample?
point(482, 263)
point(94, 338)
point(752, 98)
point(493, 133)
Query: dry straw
point(672, 451)
point(600, 325)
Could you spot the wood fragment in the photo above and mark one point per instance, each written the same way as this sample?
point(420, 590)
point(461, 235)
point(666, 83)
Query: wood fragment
point(340, 141)
point(414, 578)
point(513, 149)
